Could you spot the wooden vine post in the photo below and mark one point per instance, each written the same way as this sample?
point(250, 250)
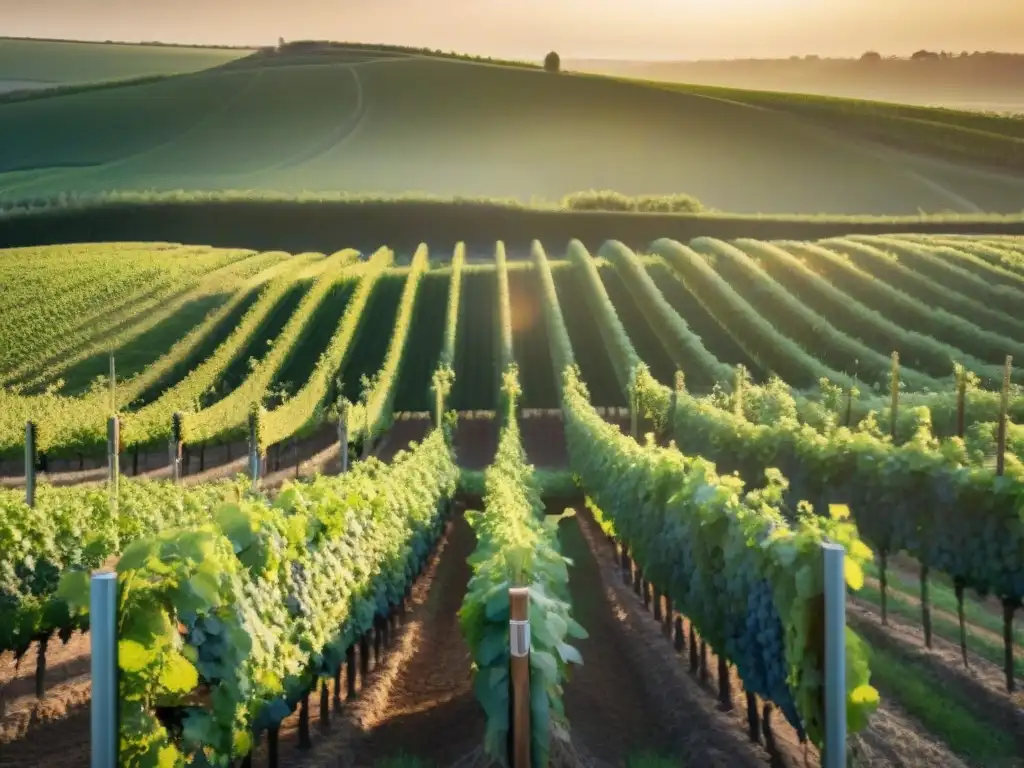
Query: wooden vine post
point(634, 412)
point(894, 392)
point(724, 684)
point(343, 435)
point(519, 642)
point(1010, 605)
point(254, 448)
point(961, 400)
point(926, 605)
point(883, 554)
point(673, 407)
point(958, 582)
point(176, 447)
point(30, 499)
point(737, 400)
point(113, 456)
point(30, 463)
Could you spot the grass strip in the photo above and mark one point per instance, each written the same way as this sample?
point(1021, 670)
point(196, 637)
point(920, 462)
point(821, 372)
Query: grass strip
point(911, 686)
point(990, 650)
point(943, 598)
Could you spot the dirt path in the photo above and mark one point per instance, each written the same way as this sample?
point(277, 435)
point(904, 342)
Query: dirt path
point(66, 686)
point(429, 710)
point(53, 731)
point(632, 695)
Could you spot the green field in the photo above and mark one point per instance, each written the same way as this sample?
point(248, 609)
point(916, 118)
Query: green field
point(31, 64)
point(377, 122)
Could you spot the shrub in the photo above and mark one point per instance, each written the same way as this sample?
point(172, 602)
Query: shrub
point(609, 200)
point(552, 62)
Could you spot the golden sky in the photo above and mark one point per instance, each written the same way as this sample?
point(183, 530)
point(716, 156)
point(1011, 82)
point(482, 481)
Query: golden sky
point(656, 29)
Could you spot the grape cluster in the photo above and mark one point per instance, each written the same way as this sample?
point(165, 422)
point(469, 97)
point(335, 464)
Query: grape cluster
point(757, 645)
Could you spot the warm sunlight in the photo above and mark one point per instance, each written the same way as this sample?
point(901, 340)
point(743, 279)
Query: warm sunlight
point(655, 29)
point(525, 383)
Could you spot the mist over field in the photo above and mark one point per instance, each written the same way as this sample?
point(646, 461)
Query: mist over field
point(977, 81)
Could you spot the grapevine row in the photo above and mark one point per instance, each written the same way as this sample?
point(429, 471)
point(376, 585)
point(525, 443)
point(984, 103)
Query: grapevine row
point(752, 332)
point(902, 307)
point(78, 528)
point(225, 626)
point(923, 352)
point(517, 547)
point(153, 421)
point(983, 261)
point(81, 287)
point(688, 351)
point(127, 327)
point(945, 267)
point(751, 583)
point(801, 324)
point(911, 497)
point(996, 254)
point(883, 266)
point(451, 327)
point(227, 416)
point(70, 423)
point(371, 416)
point(506, 354)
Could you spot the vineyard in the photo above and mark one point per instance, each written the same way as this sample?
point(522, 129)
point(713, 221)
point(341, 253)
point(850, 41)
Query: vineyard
point(328, 482)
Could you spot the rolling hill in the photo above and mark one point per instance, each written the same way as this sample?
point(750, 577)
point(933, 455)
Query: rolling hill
point(382, 122)
point(26, 64)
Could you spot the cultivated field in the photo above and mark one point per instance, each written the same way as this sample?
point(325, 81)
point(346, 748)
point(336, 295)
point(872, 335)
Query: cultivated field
point(375, 121)
point(209, 332)
point(32, 64)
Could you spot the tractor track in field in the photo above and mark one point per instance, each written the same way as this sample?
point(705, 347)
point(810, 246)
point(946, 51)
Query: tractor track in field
point(346, 128)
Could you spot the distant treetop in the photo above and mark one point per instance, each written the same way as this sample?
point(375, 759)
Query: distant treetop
point(552, 62)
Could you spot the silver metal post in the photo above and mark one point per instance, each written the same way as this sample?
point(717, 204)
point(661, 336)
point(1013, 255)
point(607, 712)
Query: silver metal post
point(103, 641)
point(834, 755)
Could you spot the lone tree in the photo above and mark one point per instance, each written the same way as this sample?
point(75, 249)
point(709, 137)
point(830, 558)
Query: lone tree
point(871, 56)
point(552, 63)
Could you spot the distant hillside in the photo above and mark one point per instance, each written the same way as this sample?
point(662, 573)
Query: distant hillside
point(981, 81)
point(325, 118)
point(29, 64)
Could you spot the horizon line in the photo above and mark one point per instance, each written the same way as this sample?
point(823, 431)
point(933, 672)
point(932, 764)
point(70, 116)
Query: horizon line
point(567, 58)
